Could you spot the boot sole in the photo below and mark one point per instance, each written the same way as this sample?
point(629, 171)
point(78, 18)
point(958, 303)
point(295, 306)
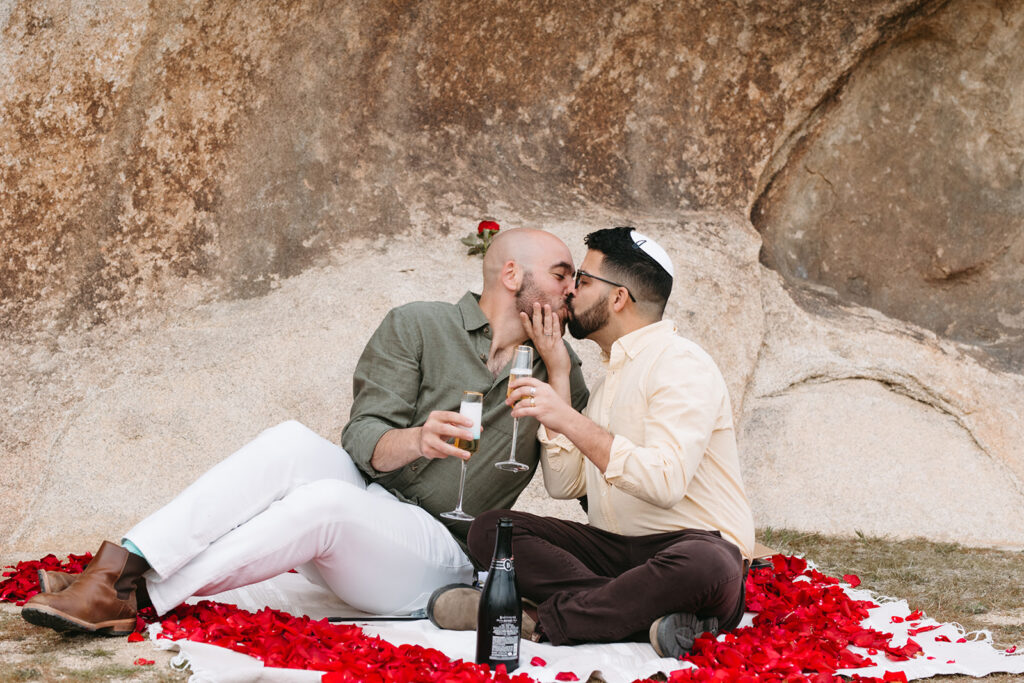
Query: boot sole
point(58, 621)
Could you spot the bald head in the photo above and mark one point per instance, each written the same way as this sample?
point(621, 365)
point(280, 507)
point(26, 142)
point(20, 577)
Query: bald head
point(529, 248)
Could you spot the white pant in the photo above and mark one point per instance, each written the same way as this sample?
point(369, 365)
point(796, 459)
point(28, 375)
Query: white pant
point(292, 499)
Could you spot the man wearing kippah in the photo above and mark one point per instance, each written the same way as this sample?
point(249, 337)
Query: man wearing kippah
point(670, 532)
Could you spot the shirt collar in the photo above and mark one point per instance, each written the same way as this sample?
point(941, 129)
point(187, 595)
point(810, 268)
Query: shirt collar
point(630, 345)
point(473, 317)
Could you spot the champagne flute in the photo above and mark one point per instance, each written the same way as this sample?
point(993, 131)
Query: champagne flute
point(522, 366)
point(472, 407)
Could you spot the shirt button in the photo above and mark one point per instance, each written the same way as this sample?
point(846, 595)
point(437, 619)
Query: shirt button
point(487, 329)
point(483, 357)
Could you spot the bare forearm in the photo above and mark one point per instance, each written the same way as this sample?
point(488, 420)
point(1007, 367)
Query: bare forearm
point(399, 447)
point(396, 449)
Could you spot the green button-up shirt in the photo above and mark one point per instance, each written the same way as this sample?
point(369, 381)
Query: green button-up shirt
point(421, 359)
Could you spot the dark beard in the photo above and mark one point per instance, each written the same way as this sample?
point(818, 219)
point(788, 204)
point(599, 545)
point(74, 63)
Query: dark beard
point(589, 321)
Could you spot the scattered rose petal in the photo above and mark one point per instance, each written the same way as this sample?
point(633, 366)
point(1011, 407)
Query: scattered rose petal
point(136, 637)
point(803, 624)
point(21, 581)
point(852, 579)
point(144, 662)
point(1010, 650)
point(922, 629)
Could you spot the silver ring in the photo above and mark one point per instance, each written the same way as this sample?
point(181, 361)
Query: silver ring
point(533, 402)
point(547, 334)
point(533, 391)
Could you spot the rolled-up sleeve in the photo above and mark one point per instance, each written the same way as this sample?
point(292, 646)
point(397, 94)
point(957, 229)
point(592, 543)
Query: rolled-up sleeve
point(385, 388)
point(677, 425)
point(562, 465)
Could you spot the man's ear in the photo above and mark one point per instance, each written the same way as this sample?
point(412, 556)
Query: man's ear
point(511, 276)
point(620, 299)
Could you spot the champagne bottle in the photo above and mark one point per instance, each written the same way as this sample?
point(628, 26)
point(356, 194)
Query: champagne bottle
point(500, 617)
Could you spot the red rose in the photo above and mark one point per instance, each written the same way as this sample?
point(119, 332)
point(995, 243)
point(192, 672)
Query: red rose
point(487, 226)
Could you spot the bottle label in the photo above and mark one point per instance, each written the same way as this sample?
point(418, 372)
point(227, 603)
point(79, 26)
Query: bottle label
point(504, 564)
point(505, 640)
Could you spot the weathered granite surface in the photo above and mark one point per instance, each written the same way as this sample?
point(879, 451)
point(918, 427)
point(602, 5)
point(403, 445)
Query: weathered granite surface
point(206, 207)
point(906, 193)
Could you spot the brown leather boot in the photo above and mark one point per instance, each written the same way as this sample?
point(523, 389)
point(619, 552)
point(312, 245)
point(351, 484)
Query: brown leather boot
point(54, 582)
point(101, 600)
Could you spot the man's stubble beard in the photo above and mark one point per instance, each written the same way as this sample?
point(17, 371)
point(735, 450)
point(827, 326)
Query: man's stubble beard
point(529, 293)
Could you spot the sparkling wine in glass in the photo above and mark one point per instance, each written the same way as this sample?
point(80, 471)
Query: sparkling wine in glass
point(522, 366)
point(472, 407)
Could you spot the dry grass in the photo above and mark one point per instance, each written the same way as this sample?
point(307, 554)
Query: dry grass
point(29, 653)
point(978, 588)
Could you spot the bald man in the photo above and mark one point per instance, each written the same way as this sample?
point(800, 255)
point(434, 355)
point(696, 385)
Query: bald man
point(362, 520)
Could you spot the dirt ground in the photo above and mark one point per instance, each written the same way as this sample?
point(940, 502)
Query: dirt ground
point(978, 588)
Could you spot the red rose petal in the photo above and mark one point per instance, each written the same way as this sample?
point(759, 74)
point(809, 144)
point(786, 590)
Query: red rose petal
point(136, 637)
point(1010, 650)
point(803, 624)
point(144, 662)
point(852, 579)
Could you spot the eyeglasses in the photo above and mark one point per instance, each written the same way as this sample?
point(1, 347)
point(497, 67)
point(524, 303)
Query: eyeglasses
point(597, 277)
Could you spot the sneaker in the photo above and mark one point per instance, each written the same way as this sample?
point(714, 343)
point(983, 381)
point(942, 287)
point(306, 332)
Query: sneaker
point(673, 634)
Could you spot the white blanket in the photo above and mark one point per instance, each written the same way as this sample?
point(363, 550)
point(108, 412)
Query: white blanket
point(618, 662)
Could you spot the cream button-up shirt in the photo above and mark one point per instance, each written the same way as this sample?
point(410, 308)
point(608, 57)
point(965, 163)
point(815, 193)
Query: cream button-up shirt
point(674, 463)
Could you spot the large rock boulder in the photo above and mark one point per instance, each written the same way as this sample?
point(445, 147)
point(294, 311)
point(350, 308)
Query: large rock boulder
point(907, 191)
point(207, 207)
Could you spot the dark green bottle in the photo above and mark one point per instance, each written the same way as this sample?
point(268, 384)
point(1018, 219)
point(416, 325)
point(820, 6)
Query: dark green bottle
point(500, 618)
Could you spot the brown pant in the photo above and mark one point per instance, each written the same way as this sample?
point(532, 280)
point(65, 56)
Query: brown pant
point(596, 586)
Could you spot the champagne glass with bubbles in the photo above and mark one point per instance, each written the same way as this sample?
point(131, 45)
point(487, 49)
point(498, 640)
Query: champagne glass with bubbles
point(522, 366)
point(472, 407)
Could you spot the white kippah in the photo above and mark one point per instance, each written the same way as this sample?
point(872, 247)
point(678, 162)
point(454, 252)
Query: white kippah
point(654, 250)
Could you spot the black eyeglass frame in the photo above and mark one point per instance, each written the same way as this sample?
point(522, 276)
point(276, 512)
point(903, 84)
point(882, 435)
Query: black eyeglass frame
point(598, 277)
